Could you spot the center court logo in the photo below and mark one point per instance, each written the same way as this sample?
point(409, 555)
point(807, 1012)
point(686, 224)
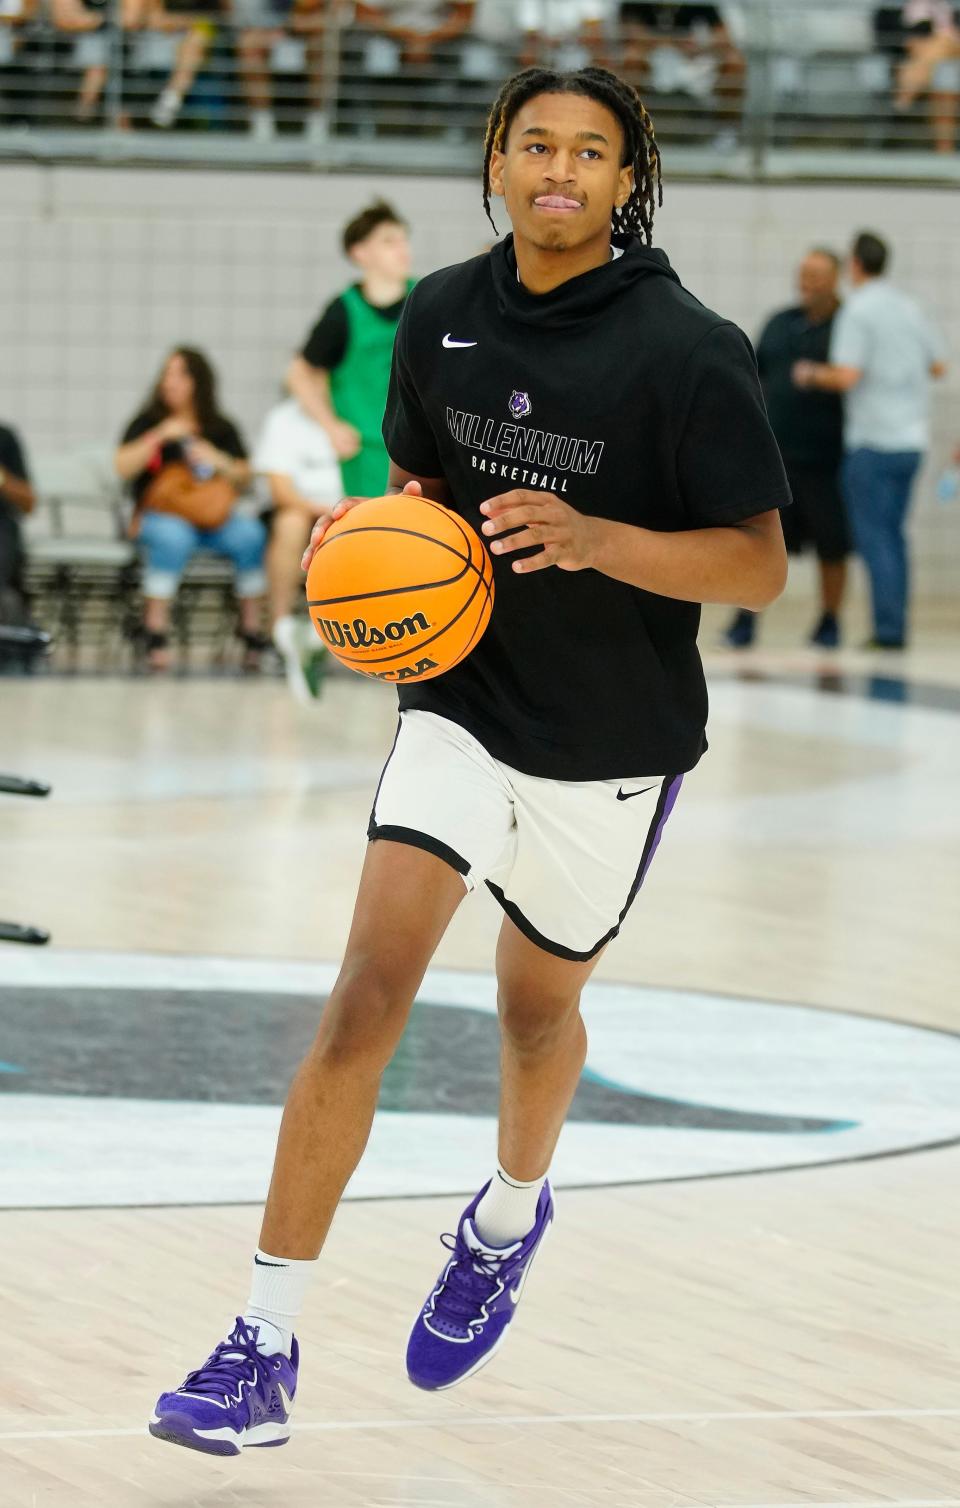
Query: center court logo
point(121, 1120)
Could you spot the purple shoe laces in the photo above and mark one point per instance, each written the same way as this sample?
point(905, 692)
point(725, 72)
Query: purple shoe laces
point(471, 1280)
point(217, 1377)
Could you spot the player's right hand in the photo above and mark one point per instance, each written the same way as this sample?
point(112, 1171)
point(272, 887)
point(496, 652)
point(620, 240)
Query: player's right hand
point(412, 489)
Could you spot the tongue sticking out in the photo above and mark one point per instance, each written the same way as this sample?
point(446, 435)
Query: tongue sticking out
point(557, 201)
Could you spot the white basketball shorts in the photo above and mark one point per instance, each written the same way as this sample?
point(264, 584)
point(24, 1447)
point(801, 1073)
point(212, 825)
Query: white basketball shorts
point(564, 858)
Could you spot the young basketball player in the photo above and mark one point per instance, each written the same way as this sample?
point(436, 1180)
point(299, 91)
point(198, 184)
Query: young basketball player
point(606, 432)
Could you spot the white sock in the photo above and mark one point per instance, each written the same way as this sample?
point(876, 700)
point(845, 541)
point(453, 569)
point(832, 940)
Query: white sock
point(508, 1209)
point(277, 1289)
point(284, 633)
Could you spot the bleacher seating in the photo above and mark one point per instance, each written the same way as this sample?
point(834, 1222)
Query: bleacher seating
point(816, 74)
point(83, 572)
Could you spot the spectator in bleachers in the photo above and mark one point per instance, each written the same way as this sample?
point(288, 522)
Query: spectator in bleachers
point(341, 376)
point(685, 48)
point(86, 20)
point(295, 455)
point(186, 464)
point(262, 26)
point(883, 353)
point(809, 429)
point(14, 92)
point(488, 52)
point(563, 34)
point(190, 25)
point(925, 36)
point(408, 33)
point(16, 500)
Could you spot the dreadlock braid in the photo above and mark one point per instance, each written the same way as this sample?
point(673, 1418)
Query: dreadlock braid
point(640, 150)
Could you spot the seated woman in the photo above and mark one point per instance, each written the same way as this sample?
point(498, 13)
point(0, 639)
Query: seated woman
point(186, 464)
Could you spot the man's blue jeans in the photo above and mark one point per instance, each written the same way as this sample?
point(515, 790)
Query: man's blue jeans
point(877, 486)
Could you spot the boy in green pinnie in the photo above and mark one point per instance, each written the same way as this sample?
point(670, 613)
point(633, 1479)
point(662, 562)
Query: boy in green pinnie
point(340, 378)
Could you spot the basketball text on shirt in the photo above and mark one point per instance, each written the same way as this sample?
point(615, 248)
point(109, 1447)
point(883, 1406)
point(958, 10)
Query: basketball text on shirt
point(512, 442)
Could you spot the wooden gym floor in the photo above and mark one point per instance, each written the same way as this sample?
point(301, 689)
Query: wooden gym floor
point(783, 997)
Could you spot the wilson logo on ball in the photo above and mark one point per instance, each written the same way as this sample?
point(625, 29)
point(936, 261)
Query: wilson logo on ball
point(400, 588)
point(359, 634)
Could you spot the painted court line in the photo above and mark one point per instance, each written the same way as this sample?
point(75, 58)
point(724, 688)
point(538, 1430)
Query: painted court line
point(885, 1503)
point(498, 1421)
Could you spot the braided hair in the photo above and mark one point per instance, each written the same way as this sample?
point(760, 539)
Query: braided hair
point(640, 150)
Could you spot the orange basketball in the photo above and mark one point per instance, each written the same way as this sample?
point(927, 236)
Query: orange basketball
point(400, 589)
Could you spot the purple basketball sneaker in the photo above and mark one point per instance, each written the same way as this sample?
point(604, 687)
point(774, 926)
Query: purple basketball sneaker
point(239, 1397)
point(466, 1316)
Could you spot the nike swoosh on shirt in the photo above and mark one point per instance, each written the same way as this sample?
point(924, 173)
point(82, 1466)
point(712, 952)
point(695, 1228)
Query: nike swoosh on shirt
point(623, 795)
point(455, 345)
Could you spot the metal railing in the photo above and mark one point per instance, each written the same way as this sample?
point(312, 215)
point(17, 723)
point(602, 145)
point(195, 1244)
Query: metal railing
point(760, 88)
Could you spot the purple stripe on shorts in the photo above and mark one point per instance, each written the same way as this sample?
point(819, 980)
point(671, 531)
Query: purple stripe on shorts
point(673, 791)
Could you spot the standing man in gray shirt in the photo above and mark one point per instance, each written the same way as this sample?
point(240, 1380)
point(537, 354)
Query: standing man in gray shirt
point(883, 353)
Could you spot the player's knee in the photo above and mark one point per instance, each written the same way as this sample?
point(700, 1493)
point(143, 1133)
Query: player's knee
point(363, 1020)
point(535, 1026)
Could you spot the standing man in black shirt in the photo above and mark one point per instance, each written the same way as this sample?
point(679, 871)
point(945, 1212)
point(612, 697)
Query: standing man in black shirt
point(16, 500)
point(607, 434)
point(809, 429)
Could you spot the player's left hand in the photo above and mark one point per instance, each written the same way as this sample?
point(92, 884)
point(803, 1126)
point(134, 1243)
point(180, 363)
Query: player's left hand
point(568, 537)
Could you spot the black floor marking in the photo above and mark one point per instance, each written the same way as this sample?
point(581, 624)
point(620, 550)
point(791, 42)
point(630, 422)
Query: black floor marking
point(242, 1048)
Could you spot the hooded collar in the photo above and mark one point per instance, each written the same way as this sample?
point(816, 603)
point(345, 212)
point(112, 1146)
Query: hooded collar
point(579, 299)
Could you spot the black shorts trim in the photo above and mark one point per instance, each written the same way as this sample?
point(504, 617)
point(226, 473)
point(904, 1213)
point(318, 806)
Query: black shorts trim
point(524, 925)
point(416, 839)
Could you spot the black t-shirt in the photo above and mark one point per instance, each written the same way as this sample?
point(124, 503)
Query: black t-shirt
point(327, 342)
point(622, 394)
point(671, 19)
point(11, 454)
point(12, 558)
point(223, 433)
point(808, 425)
